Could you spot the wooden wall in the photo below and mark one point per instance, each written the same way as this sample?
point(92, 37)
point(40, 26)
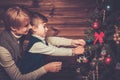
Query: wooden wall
point(68, 18)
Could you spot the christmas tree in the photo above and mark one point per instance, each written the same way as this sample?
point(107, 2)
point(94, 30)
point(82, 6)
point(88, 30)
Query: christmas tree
point(103, 37)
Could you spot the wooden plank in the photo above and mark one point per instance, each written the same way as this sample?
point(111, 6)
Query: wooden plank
point(67, 21)
point(65, 4)
point(71, 14)
point(58, 3)
point(68, 1)
point(64, 14)
point(5, 3)
point(69, 25)
point(49, 8)
point(70, 31)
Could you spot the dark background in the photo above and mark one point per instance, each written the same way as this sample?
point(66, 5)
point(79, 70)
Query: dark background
point(116, 5)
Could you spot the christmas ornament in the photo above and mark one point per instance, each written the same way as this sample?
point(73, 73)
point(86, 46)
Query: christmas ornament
point(93, 63)
point(117, 35)
point(96, 24)
point(82, 59)
point(103, 52)
point(88, 42)
point(108, 60)
point(79, 60)
point(101, 58)
point(85, 60)
point(104, 15)
point(99, 37)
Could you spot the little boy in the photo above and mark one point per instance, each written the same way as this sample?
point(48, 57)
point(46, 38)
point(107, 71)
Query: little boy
point(38, 48)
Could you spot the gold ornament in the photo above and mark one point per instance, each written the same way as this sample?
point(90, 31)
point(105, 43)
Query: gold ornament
point(117, 35)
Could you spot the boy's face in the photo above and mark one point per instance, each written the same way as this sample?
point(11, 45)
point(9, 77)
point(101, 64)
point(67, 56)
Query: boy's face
point(40, 30)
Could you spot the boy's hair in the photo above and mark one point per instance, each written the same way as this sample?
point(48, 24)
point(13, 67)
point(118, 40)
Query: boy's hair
point(36, 17)
point(14, 17)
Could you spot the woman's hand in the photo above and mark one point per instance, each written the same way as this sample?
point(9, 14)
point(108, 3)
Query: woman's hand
point(53, 67)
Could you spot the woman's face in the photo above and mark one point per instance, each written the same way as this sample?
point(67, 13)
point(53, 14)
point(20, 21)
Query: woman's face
point(23, 29)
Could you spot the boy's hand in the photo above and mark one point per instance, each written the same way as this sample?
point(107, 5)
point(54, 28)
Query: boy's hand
point(78, 50)
point(78, 42)
point(53, 67)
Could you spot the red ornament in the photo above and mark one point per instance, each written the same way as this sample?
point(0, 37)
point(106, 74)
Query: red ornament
point(85, 60)
point(108, 60)
point(96, 25)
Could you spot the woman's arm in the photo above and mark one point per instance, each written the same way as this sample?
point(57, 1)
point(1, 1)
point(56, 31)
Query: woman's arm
point(7, 62)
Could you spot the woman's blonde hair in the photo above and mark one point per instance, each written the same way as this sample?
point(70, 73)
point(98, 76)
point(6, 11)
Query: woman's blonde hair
point(15, 17)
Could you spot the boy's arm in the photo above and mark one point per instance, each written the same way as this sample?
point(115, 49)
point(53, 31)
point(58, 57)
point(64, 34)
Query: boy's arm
point(59, 41)
point(42, 48)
